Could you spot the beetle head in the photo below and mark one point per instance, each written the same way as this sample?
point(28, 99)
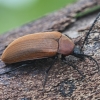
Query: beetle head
point(77, 52)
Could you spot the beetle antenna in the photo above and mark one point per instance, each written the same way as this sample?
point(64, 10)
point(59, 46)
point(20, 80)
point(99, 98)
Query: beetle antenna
point(90, 30)
point(89, 57)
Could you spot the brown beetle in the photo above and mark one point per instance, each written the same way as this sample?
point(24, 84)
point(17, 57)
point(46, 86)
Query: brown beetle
point(37, 46)
point(42, 45)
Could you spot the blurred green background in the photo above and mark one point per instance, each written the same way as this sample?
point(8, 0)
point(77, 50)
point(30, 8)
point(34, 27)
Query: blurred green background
point(14, 13)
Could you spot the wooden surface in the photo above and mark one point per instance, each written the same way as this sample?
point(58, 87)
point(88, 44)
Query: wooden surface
point(27, 83)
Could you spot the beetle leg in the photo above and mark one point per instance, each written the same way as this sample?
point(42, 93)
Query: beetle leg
point(63, 58)
point(74, 66)
point(46, 74)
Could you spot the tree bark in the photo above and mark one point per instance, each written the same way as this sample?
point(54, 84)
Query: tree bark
point(27, 81)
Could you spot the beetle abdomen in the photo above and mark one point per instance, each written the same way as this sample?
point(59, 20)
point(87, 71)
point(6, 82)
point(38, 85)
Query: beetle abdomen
point(32, 46)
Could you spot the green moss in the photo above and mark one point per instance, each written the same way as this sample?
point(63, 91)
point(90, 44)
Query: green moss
point(14, 16)
point(88, 11)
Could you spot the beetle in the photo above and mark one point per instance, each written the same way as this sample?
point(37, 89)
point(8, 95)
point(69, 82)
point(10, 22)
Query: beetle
point(43, 45)
point(37, 46)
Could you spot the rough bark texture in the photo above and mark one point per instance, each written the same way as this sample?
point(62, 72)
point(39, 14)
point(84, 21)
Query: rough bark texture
point(26, 83)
